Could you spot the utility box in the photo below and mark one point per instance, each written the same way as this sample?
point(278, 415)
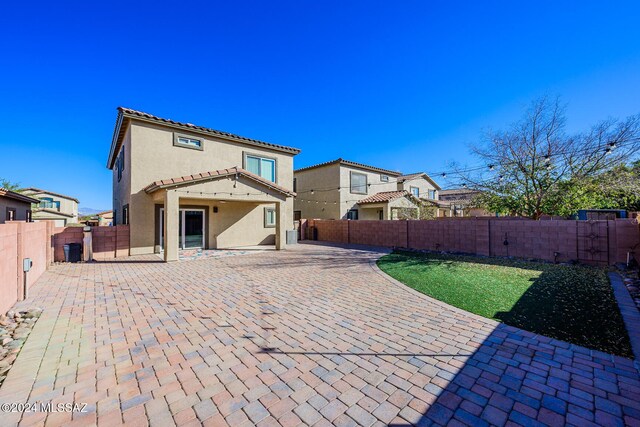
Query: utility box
point(292, 237)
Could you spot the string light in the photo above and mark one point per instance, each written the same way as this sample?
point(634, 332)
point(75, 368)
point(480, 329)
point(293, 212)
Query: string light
point(491, 167)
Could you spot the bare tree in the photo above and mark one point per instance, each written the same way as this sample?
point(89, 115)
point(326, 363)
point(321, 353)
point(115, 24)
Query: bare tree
point(528, 165)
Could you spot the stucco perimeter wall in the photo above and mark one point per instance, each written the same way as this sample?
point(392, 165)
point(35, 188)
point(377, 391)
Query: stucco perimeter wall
point(20, 240)
point(593, 242)
point(43, 243)
point(107, 242)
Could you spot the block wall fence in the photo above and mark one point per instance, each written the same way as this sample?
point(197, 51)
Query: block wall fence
point(598, 242)
point(43, 243)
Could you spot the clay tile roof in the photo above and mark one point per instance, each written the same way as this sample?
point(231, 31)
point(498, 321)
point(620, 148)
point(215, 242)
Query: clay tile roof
point(17, 196)
point(205, 176)
point(384, 196)
point(352, 164)
point(128, 113)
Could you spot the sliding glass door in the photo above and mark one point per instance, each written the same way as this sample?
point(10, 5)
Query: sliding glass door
point(191, 228)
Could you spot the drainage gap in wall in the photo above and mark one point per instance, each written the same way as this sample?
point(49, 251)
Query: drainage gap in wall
point(15, 327)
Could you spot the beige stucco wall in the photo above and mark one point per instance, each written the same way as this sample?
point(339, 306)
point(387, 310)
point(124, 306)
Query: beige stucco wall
point(402, 202)
point(151, 156)
point(371, 211)
point(235, 223)
point(122, 188)
point(324, 203)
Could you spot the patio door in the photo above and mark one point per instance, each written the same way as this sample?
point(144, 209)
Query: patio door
point(190, 228)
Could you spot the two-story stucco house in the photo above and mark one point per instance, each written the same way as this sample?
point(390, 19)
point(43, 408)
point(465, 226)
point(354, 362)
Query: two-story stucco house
point(342, 189)
point(56, 207)
point(184, 186)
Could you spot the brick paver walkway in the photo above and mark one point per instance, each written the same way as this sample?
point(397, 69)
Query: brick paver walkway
point(163, 344)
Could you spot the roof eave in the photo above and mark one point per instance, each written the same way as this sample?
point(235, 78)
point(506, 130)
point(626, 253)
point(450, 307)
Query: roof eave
point(122, 114)
point(115, 139)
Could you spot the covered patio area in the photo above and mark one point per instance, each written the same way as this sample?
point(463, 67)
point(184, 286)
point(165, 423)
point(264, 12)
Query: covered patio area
point(221, 209)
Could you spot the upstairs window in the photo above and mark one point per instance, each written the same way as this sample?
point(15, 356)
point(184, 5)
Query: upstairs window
point(120, 164)
point(432, 194)
point(384, 178)
point(187, 142)
point(415, 191)
point(261, 166)
point(358, 183)
point(49, 203)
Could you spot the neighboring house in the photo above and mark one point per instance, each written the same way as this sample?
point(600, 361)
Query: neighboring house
point(15, 206)
point(186, 186)
point(341, 189)
point(420, 185)
point(459, 203)
point(105, 219)
point(52, 206)
point(101, 219)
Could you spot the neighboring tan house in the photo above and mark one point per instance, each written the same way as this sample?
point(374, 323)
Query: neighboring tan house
point(186, 186)
point(101, 219)
point(420, 185)
point(52, 206)
point(15, 206)
point(459, 203)
point(341, 189)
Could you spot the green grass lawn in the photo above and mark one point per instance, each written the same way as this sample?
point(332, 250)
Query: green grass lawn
point(568, 302)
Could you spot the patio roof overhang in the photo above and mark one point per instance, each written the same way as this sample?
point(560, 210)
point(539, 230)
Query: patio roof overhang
point(234, 173)
point(385, 197)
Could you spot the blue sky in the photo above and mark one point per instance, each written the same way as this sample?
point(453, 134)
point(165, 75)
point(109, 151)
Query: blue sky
point(402, 85)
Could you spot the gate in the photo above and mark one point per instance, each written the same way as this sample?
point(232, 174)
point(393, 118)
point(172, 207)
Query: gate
point(593, 242)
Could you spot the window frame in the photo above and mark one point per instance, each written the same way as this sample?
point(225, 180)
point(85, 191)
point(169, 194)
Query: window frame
point(275, 219)
point(125, 214)
point(366, 182)
point(384, 178)
point(11, 214)
point(432, 195)
point(177, 143)
point(350, 211)
point(411, 188)
point(246, 154)
point(120, 163)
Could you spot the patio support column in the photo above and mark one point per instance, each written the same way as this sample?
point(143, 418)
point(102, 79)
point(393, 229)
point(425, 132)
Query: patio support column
point(281, 228)
point(171, 211)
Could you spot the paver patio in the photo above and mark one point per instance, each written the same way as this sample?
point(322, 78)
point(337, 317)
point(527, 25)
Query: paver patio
point(144, 342)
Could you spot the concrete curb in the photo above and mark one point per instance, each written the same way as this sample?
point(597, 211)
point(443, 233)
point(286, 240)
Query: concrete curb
point(630, 313)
